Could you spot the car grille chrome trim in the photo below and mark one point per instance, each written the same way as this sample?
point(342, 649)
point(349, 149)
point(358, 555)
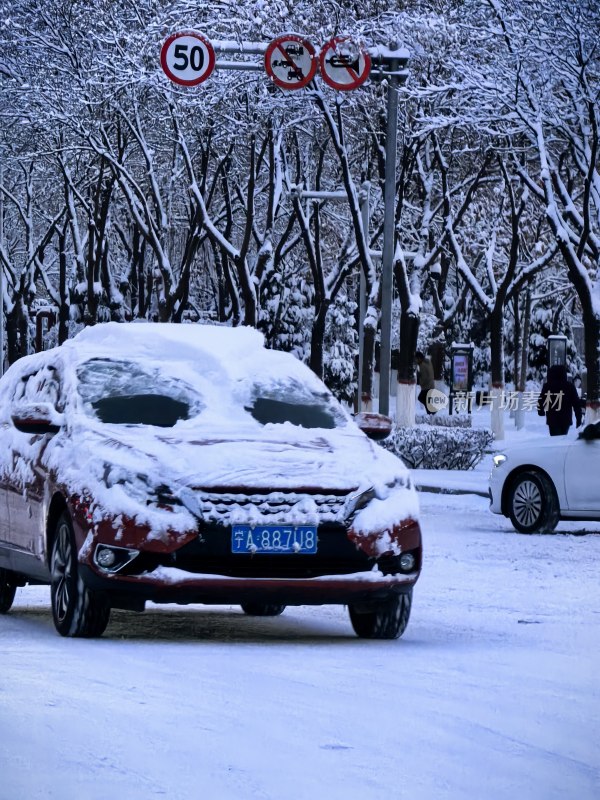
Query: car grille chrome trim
point(276, 507)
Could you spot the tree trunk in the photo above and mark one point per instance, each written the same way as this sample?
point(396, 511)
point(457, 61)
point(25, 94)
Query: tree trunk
point(17, 331)
point(405, 397)
point(368, 367)
point(63, 309)
point(497, 370)
point(91, 317)
point(12, 336)
point(522, 366)
point(317, 339)
point(591, 322)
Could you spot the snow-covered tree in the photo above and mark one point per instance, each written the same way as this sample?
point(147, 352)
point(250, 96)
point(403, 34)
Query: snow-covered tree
point(125, 195)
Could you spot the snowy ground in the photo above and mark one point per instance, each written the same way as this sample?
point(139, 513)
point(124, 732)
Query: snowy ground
point(492, 692)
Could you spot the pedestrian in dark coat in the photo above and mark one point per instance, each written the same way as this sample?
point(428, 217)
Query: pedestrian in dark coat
point(558, 400)
point(425, 378)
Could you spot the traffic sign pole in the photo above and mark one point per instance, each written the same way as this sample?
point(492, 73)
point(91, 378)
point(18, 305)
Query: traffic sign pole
point(342, 73)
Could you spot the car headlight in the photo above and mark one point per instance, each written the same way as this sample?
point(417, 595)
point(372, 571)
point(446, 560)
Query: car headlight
point(358, 501)
point(162, 497)
point(499, 459)
point(141, 488)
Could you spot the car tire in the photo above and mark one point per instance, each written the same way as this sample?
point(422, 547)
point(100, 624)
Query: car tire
point(8, 588)
point(532, 503)
point(76, 610)
point(386, 620)
point(263, 609)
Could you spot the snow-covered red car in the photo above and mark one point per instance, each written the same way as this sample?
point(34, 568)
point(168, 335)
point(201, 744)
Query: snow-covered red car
point(539, 483)
point(190, 464)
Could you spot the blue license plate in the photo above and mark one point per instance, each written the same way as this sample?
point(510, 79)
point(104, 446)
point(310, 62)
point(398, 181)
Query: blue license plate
point(275, 539)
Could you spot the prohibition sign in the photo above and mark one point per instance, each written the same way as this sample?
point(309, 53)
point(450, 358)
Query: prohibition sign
point(187, 58)
point(344, 64)
point(290, 61)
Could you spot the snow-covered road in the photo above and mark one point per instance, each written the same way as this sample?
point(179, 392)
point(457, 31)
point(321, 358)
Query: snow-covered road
point(494, 690)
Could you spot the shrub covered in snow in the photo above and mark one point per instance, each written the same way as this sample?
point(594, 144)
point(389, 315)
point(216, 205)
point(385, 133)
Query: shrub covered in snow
point(438, 446)
point(445, 420)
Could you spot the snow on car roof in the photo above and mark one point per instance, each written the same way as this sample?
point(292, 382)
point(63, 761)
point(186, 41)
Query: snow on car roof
point(168, 340)
point(206, 346)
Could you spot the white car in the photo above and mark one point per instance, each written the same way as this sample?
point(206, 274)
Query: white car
point(538, 484)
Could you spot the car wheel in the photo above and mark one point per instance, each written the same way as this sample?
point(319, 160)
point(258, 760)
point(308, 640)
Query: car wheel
point(76, 610)
point(532, 503)
point(262, 609)
point(385, 620)
point(8, 587)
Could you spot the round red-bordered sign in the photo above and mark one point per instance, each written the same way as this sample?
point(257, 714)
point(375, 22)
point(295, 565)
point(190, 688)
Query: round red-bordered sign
point(344, 64)
point(187, 58)
point(290, 61)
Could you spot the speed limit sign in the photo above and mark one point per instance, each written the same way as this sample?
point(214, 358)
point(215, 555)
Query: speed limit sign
point(187, 58)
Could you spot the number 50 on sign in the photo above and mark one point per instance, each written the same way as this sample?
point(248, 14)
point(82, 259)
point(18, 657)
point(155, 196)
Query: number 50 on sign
point(187, 58)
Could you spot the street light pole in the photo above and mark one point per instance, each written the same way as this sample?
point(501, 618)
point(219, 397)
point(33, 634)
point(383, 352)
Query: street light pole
point(387, 261)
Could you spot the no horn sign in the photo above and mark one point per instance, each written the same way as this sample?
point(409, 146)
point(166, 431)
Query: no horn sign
point(344, 64)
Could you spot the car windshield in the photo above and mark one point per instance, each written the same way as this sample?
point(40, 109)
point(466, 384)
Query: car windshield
point(127, 393)
point(291, 401)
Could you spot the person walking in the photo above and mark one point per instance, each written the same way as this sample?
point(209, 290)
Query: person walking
point(558, 401)
point(425, 378)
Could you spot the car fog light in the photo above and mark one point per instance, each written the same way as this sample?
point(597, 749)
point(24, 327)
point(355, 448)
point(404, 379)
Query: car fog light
point(407, 562)
point(105, 557)
point(112, 558)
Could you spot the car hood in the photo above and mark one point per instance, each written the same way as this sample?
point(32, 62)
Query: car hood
point(165, 480)
point(554, 447)
point(335, 460)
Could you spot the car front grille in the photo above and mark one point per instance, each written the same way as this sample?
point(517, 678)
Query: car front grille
point(272, 507)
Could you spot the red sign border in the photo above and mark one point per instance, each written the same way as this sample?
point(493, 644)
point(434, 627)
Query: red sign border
point(330, 81)
point(211, 58)
point(291, 37)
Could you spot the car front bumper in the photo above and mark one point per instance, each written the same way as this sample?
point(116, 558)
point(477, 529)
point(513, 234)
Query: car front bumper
point(172, 585)
point(495, 490)
point(200, 567)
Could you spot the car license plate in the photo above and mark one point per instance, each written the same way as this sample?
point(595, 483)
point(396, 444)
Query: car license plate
point(277, 539)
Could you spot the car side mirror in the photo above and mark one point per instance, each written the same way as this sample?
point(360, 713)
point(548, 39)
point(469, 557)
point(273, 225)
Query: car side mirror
point(590, 432)
point(376, 426)
point(37, 418)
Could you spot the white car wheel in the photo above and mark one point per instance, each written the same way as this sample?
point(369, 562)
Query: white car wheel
point(532, 503)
